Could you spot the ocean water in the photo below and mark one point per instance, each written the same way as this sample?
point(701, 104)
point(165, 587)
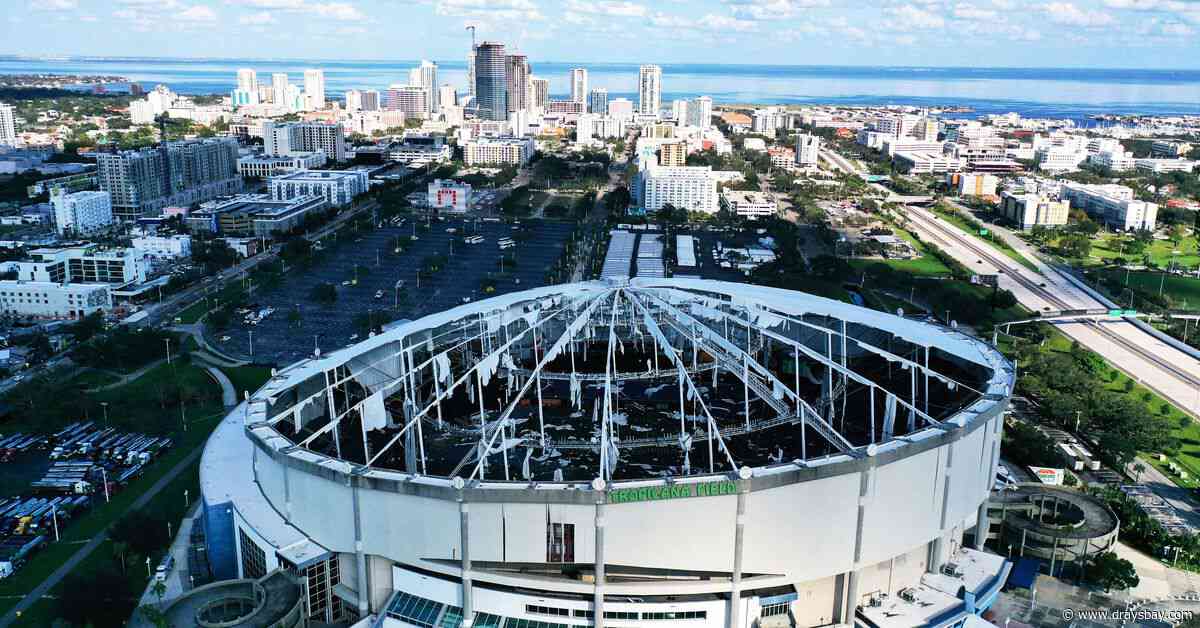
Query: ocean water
point(1042, 92)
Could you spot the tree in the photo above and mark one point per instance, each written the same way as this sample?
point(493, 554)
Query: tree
point(1113, 572)
point(324, 292)
point(293, 317)
point(87, 598)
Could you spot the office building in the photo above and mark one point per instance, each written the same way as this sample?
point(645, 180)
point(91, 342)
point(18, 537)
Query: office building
point(143, 182)
point(645, 531)
point(808, 150)
point(768, 120)
point(314, 89)
point(471, 71)
point(88, 263)
point(1112, 205)
point(426, 76)
point(247, 88)
point(84, 213)
point(255, 215)
point(972, 184)
point(927, 162)
point(163, 247)
point(1169, 149)
point(1118, 160)
point(8, 125)
point(620, 108)
point(692, 188)
point(294, 138)
point(1050, 158)
point(748, 204)
point(1165, 165)
point(598, 101)
point(412, 100)
point(649, 90)
point(491, 81)
point(1030, 209)
point(699, 112)
point(449, 195)
point(540, 87)
point(579, 84)
point(264, 166)
point(50, 300)
point(279, 89)
point(517, 82)
point(372, 122)
point(498, 150)
point(565, 106)
point(337, 187)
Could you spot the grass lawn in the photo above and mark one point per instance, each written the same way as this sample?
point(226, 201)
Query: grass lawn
point(194, 312)
point(1185, 291)
point(1161, 252)
point(245, 378)
point(92, 378)
point(925, 265)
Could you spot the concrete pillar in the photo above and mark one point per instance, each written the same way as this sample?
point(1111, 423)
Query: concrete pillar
point(864, 495)
point(598, 594)
point(981, 526)
point(360, 560)
point(735, 591)
point(464, 515)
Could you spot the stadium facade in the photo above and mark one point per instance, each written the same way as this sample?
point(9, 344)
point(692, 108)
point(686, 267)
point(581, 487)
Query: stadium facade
point(642, 452)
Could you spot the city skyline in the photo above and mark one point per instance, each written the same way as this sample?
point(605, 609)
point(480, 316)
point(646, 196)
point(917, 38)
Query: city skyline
point(1078, 33)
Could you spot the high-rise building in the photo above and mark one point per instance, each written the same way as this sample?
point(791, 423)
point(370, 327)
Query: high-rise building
point(693, 188)
point(426, 76)
point(411, 99)
point(808, 149)
point(314, 89)
point(699, 112)
point(247, 79)
point(598, 101)
point(579, 84)
point(517, 82)
point(649, 89)
point(8, 125)
point(679, 110)
point(82, 213)
point(471, 71)
point(293, 138)
point(491, 84)
point(362, 100)
point(540, 89)
point(279, 88)
point(447, 95)
point(143, 182)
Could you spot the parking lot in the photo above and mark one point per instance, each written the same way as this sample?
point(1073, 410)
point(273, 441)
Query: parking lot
point(278, 340)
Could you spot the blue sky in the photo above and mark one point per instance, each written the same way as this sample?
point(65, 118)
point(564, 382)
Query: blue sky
point(1074, 33)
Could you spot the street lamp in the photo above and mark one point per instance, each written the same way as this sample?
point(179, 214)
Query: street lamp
point(167, 341)
point(104, 404)
point(104, 478)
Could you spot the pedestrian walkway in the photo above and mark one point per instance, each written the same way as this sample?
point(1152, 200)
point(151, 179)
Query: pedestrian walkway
point(178, 580)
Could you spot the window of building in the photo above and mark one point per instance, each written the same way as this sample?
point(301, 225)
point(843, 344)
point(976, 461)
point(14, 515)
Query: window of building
point(560, 542)
point(416, 610)
point(254, 559)
point(534, 609)
point(771, 610)
point(660, 616)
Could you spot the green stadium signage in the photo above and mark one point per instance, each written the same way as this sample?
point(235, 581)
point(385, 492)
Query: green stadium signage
point(672, 491)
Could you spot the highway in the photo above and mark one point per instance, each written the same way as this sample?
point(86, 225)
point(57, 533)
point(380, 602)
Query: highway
point(1173, 374)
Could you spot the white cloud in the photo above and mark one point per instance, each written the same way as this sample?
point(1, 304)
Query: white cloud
point(53, 5)
point(612, 8)
point(771, 9)
point(665, 20)
point(198, 13)
point(504, 10)
point(1178, 29)
point(1067, 14)
point(257, 19)
point(724, 23)
point(905, 40)
point(340, 11)
point(967, 11)
point(908, 17)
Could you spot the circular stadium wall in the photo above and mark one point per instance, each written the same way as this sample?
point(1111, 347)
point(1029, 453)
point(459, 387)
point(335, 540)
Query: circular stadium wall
point(688, 451)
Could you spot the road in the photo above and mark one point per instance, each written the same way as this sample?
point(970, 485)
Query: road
point(71, 563)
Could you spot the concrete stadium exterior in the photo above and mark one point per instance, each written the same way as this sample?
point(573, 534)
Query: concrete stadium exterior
point(859, 523)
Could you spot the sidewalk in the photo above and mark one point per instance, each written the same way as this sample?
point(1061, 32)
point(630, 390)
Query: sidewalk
point(177, 581)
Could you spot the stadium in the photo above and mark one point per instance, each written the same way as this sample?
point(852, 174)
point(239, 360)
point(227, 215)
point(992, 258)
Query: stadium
point(645, 452)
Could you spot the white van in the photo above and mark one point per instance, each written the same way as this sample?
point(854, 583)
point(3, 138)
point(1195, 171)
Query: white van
point(164, 568)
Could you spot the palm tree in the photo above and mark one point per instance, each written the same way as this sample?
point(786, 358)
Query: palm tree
point(1138, 469)
point(120, 550)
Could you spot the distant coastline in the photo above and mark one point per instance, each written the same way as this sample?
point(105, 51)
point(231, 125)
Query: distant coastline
point(1074, 93)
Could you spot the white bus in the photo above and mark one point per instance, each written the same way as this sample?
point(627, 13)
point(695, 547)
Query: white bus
point(506, 243)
